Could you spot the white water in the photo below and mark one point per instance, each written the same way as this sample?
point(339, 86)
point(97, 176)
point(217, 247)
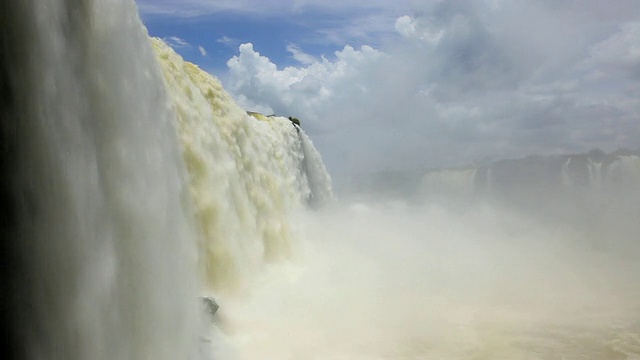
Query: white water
point(566, 177)
point(102, 231)
point(248, 176)
point(125, 224)
point(595, 174)
point(137, 188)
point(316, 173)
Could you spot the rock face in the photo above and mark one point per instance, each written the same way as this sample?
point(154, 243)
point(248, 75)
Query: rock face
point(211, 306)
point(590, 173)
point(294, 120)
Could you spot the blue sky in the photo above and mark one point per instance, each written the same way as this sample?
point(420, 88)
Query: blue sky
point(405, 85)
point(316, 29)
point(221, 36)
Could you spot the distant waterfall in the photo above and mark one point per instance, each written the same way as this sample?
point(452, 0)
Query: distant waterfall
point(100, 251)
point(592, 191)
point(566, 176)
point(595, 173)
point(580, 173)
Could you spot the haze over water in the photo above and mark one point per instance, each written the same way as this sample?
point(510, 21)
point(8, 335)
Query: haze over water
point(394, 281)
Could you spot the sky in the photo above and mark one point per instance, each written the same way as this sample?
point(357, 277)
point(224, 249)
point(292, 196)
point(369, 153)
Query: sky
point(415, 84)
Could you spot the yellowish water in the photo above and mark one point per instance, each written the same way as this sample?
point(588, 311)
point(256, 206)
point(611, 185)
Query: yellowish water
point(246, 175)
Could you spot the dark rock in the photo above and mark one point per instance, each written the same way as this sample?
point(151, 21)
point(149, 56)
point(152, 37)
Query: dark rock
point(294, 120)
point(211, 305)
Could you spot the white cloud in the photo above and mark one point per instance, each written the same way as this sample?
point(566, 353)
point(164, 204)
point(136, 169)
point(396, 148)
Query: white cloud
point(362, 26)
point(467, 80)
point(621, 49)
point(203, 51)
point(193, 8)
point(300, 55)
point(295, 91)
point(227, 41)
point(188, 8)
point(326, 22)
point(408, 28)
point(176, 42)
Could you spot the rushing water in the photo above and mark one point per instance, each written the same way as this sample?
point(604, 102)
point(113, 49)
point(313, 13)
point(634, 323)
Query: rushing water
point(247, 175)
point(101, 241)
point(133, 185)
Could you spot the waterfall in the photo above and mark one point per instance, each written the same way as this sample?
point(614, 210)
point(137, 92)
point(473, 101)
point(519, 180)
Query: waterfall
point(565, 174)
point(595, 173)
point(132, 185)
point(489, 181)
point(317, 176)
point(578, 175)
point(94, 189)
point(248, 175)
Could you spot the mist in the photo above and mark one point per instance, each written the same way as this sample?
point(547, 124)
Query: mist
point(390, 280)
point(525, 258)
point(518, 259)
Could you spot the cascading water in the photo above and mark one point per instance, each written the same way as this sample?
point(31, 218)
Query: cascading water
point(595, 173)
point(566, 176)
point(94, 210)
point(130, 189)
point(315, 172)
point(584, 173)
point(248, 175)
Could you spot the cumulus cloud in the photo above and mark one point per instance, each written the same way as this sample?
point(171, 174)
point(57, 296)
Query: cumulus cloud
point(293, 90)
point(408, 28)
point(468, 80)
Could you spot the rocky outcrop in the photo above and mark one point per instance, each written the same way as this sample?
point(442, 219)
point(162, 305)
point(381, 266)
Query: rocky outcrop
point(211, 306)
point(262, 117)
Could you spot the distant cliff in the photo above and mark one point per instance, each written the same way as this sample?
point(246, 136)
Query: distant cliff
point(595, 171)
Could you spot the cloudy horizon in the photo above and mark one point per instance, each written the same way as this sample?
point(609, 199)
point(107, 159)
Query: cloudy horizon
point(426, 84)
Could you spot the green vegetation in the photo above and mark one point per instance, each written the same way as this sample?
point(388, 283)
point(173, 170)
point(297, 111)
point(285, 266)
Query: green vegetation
point(294, 120)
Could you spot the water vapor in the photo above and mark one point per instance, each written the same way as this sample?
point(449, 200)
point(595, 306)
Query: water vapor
point(392, 281)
